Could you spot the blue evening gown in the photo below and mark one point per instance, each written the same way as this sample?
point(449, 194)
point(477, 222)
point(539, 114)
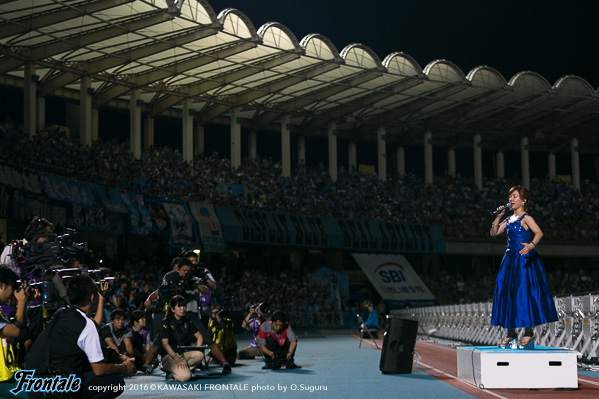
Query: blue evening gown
point(522, 297)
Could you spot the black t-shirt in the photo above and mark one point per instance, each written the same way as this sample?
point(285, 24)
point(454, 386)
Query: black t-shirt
point(118, 337)
point(179, 333)
point(73, 340)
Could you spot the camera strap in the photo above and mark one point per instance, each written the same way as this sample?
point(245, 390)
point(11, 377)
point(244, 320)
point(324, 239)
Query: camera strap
point(62, 290)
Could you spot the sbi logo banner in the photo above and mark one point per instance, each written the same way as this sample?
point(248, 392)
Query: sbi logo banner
point(391, 272)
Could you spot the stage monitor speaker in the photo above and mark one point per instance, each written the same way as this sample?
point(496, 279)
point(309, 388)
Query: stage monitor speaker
point(398, 346)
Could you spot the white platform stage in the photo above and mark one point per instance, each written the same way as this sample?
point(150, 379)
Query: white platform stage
point(488, 367)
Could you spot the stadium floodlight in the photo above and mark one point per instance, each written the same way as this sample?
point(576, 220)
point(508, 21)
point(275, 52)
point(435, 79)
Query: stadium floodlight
point(175, 5)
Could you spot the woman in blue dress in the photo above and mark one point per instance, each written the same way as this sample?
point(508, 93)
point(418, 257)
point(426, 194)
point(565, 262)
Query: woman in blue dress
point(522, 297)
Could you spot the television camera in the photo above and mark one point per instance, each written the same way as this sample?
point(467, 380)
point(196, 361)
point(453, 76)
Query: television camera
point(42, 262)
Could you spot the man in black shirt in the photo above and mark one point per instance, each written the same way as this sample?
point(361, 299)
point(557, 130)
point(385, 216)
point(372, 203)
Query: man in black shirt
point(71, 340)
point(115, 335)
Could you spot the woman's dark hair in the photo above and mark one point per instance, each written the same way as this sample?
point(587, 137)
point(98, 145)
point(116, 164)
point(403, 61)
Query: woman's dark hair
point(177, 300)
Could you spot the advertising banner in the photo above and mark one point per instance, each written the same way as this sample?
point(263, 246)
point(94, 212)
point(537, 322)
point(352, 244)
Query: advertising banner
point(395, 280)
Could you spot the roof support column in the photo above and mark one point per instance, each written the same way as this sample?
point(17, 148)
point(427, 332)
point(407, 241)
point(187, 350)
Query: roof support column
point(135, 123)
point(525, 162)
point(428, 157)
point(235, 139)
point(198, 139)
point(333, 150)
point(301, 151)
point(285, 147)
point(478, 161)
point(95, 124)
point(41, 113)
point(575, 164)
point(188, 130)
point(382, 152)
point(451, 162)
point(551, 168)
point(85, 111)
point(148, 131)
point(352, 156)
point(30, 88)
point(500, 165)
point(252, 145)
point(401, 161)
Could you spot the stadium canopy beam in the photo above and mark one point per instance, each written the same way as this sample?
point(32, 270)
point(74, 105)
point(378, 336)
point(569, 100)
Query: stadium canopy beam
point(166, 71)
point(222, 80)
point(78, 40)
point(363, 101)
point(557, 114)
point(113, 60)
point(28, 23)
point(509, 112)
point(268, 88)
point(296, 104)
point(452, 115)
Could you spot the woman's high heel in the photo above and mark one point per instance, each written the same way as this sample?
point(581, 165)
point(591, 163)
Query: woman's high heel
point(529, 344)
point(508, 343)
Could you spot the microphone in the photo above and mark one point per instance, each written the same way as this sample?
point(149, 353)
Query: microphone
point(507, 207)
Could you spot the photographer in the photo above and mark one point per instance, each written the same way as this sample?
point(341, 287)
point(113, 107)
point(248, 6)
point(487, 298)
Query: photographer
point(180, 281)
point(278, 342)
point(8, 329)
point(223, 334)
point(205, 298)
point(70, 344)
point(257, 315)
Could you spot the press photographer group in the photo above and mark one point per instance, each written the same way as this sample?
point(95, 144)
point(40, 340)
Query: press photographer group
point(67, 329)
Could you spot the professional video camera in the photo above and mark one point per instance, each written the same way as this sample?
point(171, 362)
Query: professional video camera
point(36, 257)
point(174, 283)
point(43, 265)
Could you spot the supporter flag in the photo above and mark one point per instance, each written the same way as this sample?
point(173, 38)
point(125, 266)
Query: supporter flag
point(211, 231)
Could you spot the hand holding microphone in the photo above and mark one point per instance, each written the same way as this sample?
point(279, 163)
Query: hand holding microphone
point(503, 208)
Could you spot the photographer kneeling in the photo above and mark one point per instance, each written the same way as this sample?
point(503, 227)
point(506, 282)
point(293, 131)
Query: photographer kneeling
point(70, 344)
point(278, 342)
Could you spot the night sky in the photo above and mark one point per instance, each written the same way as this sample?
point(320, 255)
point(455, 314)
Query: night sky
point(553, 38)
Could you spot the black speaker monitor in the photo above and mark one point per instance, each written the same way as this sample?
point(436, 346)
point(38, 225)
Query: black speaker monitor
point(398, 346)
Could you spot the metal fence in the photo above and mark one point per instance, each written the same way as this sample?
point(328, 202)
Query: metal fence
point(576, 329)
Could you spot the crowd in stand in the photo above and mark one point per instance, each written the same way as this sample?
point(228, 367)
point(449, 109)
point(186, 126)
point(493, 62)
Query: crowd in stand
point(454, 203)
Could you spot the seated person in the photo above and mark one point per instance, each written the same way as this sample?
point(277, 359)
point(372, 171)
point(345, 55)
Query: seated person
point(140, 337)
point(115, 336)
point(372, 322)
point(251, 323)
point(223, 334)
point(178, 331)
point(278, 342)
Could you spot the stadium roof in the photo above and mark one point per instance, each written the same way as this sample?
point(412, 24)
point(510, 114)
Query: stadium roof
point(177, 49)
